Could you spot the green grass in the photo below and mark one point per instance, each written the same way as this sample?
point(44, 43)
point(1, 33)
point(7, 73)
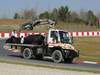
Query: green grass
point(89, 48)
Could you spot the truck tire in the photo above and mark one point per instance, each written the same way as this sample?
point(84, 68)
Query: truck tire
point(27, 53)
point(57, 56)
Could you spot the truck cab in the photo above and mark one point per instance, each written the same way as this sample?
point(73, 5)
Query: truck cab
point(59, 36)
point(60, 46)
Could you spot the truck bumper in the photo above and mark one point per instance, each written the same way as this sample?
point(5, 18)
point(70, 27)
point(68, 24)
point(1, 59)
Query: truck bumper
point(71, 54)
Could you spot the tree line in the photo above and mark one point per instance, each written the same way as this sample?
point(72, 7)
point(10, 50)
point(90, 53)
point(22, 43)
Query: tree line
point(63, 14)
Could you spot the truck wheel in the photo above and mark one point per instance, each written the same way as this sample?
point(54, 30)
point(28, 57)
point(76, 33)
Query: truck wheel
point(57, 56)
point(27, 53)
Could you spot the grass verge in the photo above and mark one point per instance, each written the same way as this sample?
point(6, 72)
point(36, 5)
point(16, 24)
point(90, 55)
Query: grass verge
point(89, 48)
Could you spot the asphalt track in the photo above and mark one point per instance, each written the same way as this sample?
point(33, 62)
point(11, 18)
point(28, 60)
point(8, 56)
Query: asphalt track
point(9, 56)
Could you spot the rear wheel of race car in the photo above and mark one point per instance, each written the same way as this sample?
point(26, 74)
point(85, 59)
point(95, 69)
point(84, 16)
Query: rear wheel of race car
point(27, 53)
point(57, 56)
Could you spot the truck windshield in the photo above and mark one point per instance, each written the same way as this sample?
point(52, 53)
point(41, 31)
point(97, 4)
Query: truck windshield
point(64, 37)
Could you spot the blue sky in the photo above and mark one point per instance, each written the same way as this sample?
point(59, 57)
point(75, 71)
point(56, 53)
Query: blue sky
point(9, 7)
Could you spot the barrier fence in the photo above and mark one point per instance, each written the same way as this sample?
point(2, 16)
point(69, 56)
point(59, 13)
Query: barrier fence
point(74, 34)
